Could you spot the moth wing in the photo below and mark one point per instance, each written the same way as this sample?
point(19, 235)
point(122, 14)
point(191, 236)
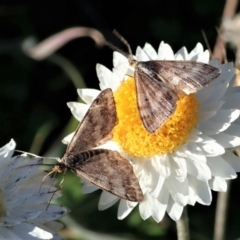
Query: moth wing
point(97, 125)
point(186, 76)
point(109, 171)
point(155, 101)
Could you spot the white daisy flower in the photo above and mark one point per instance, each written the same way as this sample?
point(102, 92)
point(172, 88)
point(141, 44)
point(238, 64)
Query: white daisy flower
point(23, 205)
point(189, 155)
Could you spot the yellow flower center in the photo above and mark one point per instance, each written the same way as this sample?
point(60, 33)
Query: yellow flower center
point(136, 140)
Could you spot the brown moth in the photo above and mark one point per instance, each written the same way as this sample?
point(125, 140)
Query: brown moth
point(158, 83)
point(104, 168)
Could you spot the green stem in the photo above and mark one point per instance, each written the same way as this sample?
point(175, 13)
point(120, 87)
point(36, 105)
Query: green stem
point(183, 227)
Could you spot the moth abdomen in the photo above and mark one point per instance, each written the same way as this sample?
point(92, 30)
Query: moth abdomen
point(73, 160)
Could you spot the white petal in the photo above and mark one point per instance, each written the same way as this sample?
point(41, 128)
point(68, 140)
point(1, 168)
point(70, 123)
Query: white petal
point(153, 207)
point(220, 168)
point(205, 115)
point(141, 55)
point(55, 226)
point(233, 130)
point(88, 95)
point(7, 234)
point(212, 149)
point(78, 109)
point(124, 209)
point(201, 189)
point(232, 160)
point(145, 208)
point(231, 101)
point(203, 57)
point(86, 188)
point(203, 94)
point(214, 62)
point(106, 200)
point(29, 232)
point(227, 141)
point(25, 213)
point(68, 138)
point(207, 139)
point(197, 50)
point(104, 76)
point(198, 169)
point(210, 127)
point(7, 150)
point(162, 165)
point(213, 106)
point(218, 184)
point(179, 167)
point(231, 89)
point(193, 151)
point(53, 212)
point(174, 210)
point(150, 51)
point(165, 52)
point(119, 60)
point(194, 137)
point(178, 190)
point(226, 116)
point(103, 73)
point(182, 54)
point(156, 189)
point(161, 205)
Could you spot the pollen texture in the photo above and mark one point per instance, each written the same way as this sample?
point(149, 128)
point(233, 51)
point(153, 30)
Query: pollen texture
point(131, 134)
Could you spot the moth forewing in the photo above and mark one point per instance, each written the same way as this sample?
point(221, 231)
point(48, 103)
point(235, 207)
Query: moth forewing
point(186, 76)
point(151, 98)
point(96, 125)
point(104, 168)
point(178, 76)
point(109, 171)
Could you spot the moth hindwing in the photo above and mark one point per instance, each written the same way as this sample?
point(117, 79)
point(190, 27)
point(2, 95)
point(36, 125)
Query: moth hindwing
point(159, 82)
point(104, 168)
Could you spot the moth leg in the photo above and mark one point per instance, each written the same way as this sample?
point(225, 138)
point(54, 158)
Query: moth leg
point(59, 185)
point(64, 173)
point(44, 180)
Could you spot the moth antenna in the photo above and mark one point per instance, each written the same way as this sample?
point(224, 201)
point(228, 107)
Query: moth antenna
point(123, 40)
point(113, 47)
point(207, 43)
point(128, 55)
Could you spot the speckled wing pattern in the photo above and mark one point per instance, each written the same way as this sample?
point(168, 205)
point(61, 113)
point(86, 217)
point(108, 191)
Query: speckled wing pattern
point(109, 171)
point(104, 168)
point(159, 82)
point(97, 124)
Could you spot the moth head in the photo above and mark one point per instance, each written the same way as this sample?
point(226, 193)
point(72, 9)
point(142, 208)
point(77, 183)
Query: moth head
point(59, 167)
point(132, 61)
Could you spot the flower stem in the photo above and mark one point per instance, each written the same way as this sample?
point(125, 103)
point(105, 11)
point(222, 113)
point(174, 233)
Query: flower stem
point(183, 227)
point(221, 214)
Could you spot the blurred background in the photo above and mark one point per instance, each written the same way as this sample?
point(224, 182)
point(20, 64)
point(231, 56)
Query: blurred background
point(34, 93)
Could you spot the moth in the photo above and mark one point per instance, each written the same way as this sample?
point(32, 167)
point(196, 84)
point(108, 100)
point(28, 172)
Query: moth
point(104, 168)
point(159, 82)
